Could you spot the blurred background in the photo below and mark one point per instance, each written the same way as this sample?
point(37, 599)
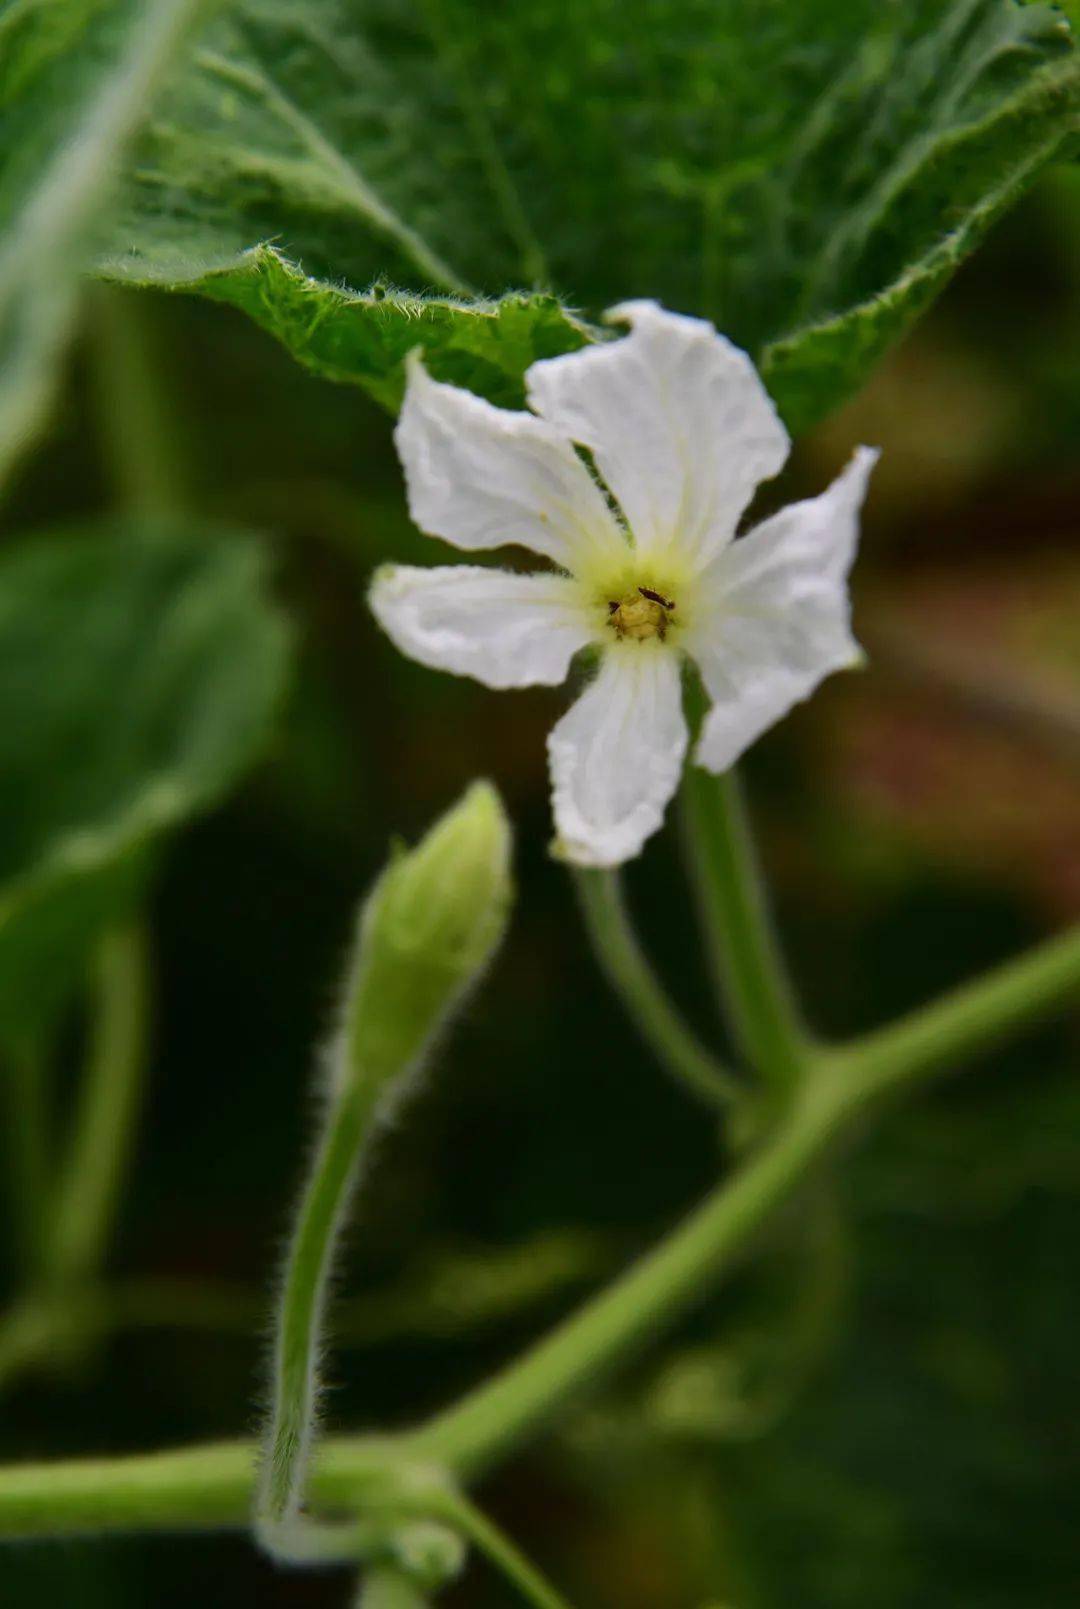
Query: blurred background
point(882, 1413)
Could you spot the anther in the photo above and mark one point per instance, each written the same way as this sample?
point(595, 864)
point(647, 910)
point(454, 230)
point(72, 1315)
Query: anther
point(654, 597)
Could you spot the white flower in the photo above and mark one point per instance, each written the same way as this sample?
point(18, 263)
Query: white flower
point(681, 431)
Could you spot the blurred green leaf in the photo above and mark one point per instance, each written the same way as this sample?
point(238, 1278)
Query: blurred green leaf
point(808, 175)
point(139, 672)
point(76, 78)
point(364, 337)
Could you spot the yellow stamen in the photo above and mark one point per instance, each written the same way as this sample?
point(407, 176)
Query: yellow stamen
point(640, 614)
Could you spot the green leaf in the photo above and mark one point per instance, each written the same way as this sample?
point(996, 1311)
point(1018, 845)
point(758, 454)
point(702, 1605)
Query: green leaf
point(364, 337)
point(75, 80)
point(808, 174)
point(140, 669)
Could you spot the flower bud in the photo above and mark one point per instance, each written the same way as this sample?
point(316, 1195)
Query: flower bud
point(427, 931)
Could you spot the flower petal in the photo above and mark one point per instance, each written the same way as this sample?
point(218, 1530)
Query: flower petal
point(681, 426)
point(482, 477)
point(775, 619)
point(505, 630)
point(616, 756)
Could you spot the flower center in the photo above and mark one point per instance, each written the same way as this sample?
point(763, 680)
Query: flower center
point(640, 614)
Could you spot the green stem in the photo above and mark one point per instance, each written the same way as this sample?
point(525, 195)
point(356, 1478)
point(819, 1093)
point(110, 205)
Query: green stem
point(503, 1553)
point(738, 930)
point(307, 1274)
point(623, 961)
point(426, 931)
point(136, 415)
point(107, 1110)
point(844, 1084)
point(970, 1019)
point(453, 1295)
point(195, 1488)
point(679, 1273)
point(211, 1486)
point(25, 1076)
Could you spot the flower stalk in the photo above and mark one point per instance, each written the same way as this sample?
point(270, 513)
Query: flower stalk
point(425, 934)
point(740, 940)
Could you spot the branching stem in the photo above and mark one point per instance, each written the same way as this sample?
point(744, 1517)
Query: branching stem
point(211, 1486)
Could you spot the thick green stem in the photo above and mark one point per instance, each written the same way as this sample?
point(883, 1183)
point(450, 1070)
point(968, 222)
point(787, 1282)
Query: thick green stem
point(624, 963)
point(196, 1488)
point(679, 1273)
point(731, 900)
point(970, 1019)
point(108, 1106)
point(212, 1485)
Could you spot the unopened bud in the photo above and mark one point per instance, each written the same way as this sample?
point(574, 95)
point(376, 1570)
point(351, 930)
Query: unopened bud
point(427, 931)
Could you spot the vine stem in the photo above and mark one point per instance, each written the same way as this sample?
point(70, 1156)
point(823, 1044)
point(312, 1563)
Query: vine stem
point(211, 1486)
point(965, 1021)
point(608, 924)
point(485, 1426)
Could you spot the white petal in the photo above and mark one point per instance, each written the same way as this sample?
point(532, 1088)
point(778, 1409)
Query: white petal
point(482, 477)
point(680, 425)
point(775, 615)
point(616, 756)
point(505, 630)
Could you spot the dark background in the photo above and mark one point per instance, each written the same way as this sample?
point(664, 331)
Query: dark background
point(881, 1413)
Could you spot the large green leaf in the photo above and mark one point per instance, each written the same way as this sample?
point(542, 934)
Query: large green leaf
point(365, 336)
point(66, 114)
point(806, 172)
point(139, 672)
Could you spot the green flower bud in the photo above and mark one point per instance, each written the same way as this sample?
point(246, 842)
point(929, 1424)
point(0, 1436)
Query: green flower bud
point(426, 933)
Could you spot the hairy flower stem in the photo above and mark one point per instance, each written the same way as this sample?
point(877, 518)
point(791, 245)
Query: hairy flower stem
point(627, 969)
point(307, 1274)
